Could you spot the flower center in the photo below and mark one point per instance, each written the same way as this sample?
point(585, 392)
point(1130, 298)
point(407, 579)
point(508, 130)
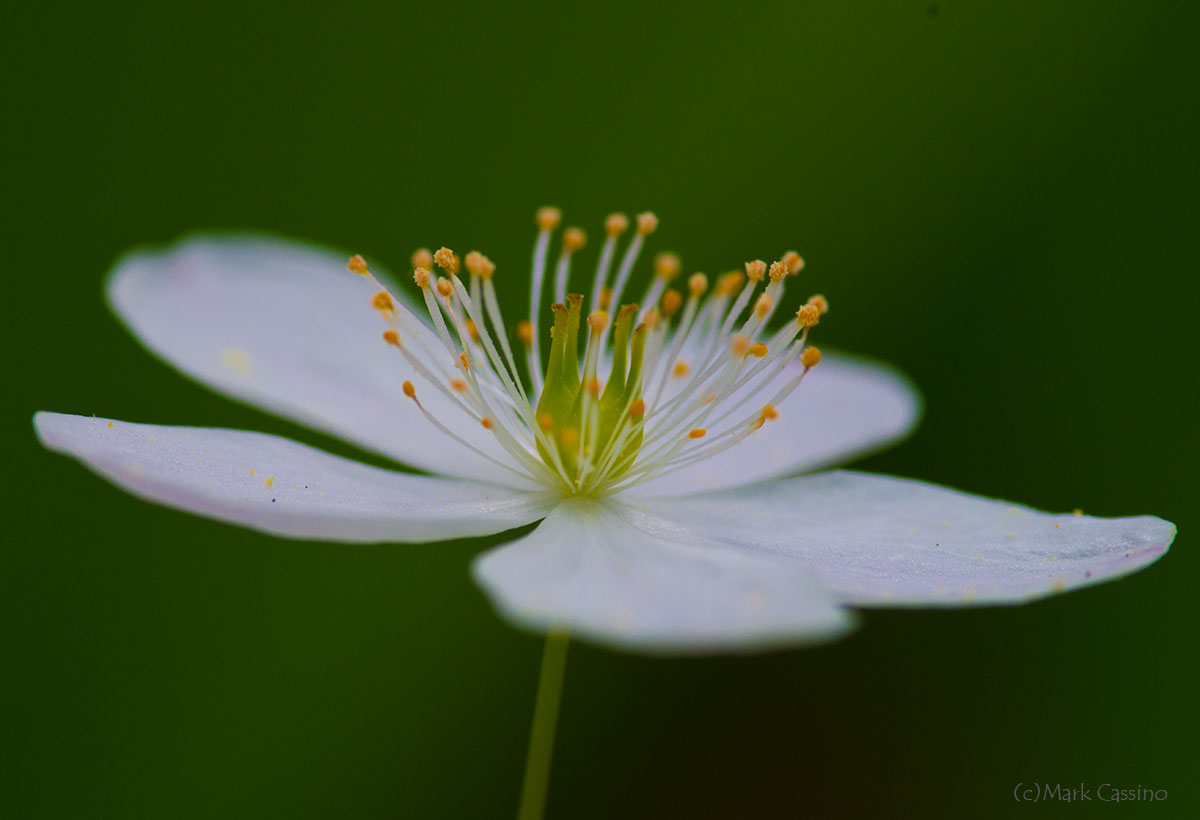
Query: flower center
point(679, 381)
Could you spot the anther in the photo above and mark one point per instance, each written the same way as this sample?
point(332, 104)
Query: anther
point(358, 265)
point(459, 385)
point(616, 224)
point(598, 320)
point(681, 369)
point(794, 262)
point(647, 223)
point(778, 271)
point(699, 432)
point(569, 436)
point(808, 315)
point(472, 330)
point(444, 288)
point(605, 298)
point(730, 282)
point(464, 361)
point(525, 332)
point(671, 302)
point(650, 320)
point(421, 277)
point(391, 337)
point(447, 260)
point(574, 239)
point(422, 258)
point(697, 284)
point(757, 423)
point(486, 422)
point(479, 265)
point(819, 302)
point(593, 387)
point(739, 345)
point(548, 218)
point(546, 422)
point(756, 270)
point(762, 307)
point(382, 301)
point(409, 390)
point(769, 412)
point(666, 265)
point(637, 409)
point(810, 357)
point(757, 350)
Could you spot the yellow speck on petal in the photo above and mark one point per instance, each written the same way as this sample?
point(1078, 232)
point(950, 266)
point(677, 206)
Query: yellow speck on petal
point(270, 481)
point(110, 424)
point(1056, 526)
point(1076, 511)
point(237, 360)
point(1059, 585)
point(251, 472)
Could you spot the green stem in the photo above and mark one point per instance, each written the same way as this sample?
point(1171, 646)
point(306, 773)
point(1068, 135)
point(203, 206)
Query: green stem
point(541, 734)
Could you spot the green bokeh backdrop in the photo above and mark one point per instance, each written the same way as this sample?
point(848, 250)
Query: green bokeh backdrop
point(999, 197)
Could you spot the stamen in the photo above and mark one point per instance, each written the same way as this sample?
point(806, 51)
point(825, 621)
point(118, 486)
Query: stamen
point(671, 302)
point(810, 358)
point(819, 302)
point(699, 432)
point(757, 350)
point(681, 369)
point(794, 262)
point(756, 270)
point(447, 260)
point(383, 301)
point(808, 315)
point(479, 265)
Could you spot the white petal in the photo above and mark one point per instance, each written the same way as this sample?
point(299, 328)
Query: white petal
point(844, 408)
point(881, 541)
point(282, 486)
point(285, 326)
point(588, 570)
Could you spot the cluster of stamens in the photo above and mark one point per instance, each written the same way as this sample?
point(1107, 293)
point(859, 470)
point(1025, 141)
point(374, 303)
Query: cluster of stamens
point(686, 374)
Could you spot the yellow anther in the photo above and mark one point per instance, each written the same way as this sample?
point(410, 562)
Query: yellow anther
point(605, 298)
point(666, 265)
point(486, 422)
point(459, 385)
point(762, 307)
point(382, 301)
point(794, 262)
point(597, 320)
point(525, 332)
point(756, 270)
point(811, 357)
point(637, 409)
point(697, 284)
point(769, 412)
point(464, 361)
point(778, 271)
point(593, 387)
point(730, 282)
point(647, 223)
point(444, 288)
point(574, 239)
point(472, 330)
point(650, 320)
point(569, 436)
point(546, 422)
point(422, 258)
point(681, 369)
point(391, 337)
point(548, 218)
point(358, 265)
point(709, 399)
point(671, 301)
point(479, 265)
point(409, 390)
point(739, 345)
point(699, 432)
point(616, 224)
point(758, 422)
point(421, 277)
point(819, 302)
point(447, 260)
point(808, 315)
point(757, 350)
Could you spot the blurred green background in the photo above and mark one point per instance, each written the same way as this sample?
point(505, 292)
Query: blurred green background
point(999, 197)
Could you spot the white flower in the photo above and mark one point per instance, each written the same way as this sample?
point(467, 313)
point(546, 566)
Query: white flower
point(656, 469)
